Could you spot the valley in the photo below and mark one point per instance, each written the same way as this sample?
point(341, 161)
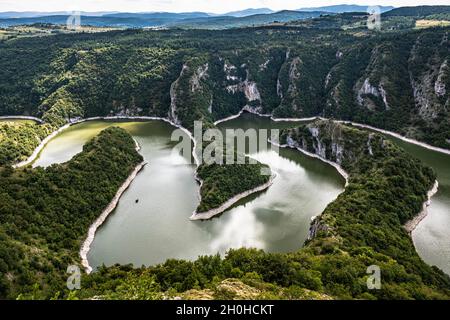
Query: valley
point(158, 227)
point(91, 179)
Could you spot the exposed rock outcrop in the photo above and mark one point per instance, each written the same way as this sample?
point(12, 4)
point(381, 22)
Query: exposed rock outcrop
point(174, 96)
point(439, 85)
point(200, 74)
point(368, 89)
point(248, 87)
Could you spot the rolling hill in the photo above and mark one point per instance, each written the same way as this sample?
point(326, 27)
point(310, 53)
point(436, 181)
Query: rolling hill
point(345, 8)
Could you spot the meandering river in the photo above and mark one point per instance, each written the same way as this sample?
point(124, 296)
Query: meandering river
point(157, 227)
point(432, 235)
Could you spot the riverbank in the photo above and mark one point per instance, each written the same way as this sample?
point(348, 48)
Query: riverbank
point(314, 221)
point(339, 169)
point(102, 218)
point(398, 136)
point(198, 216)
point(216, 211)
point(360, 125)
point(246, 108)
point(44, 142)
point(112, 118)
point(22, 118)
point(409, 226)
point(412, 224)
point(41, 146)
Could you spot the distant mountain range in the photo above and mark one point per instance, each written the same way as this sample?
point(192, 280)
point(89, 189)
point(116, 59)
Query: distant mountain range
point(34, 14)
point(419, 11)
point(342, 8)
point(159, 15)
point(249, 12)
point(147, 15)
point(166, 19)
point(226, 22)
point(203, 20)
point(184, 15)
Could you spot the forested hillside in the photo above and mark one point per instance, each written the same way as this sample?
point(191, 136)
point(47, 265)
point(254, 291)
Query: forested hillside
point(397, 81)
point(45, 213)
point(18, 140)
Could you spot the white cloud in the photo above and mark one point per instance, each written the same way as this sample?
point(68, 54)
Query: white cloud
point(217, 6)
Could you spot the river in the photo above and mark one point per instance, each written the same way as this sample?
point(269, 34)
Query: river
point(158, 226)
point(432, 235)
point(277, 220)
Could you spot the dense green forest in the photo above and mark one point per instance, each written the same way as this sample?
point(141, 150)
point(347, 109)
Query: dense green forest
point(45, 213)
point(18, 140)
point(222, 182)
point(395, 80)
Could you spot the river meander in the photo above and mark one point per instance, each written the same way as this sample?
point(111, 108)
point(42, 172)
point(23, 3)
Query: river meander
point(277, 220)
point(158, 226)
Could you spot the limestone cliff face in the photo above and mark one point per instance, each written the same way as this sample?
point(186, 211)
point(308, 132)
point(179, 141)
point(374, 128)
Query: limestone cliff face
point(429, 78)
point(401, 84)
point(200, 74)
point(398, 83)
point(330, 141)
point(375, 81)
point(316, 226)
point(174, 96)
point(440, 87)
point(338, 143)
point(368, 89)
point(249, 88)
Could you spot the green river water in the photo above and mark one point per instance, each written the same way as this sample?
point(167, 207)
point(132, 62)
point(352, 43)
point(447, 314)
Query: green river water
point(277, 220)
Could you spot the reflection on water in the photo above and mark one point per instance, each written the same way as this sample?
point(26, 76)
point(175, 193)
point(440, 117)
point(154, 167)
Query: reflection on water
point(158, 226)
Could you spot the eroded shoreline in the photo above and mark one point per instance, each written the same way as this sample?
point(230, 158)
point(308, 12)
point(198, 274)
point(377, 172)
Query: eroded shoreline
point(44, 142)
point(409, 226)
point(360, 125)
point(339, 169)
point(22, 118)
point(102, 218)
point(40, 147)
point(230, 202)
point(412, 224)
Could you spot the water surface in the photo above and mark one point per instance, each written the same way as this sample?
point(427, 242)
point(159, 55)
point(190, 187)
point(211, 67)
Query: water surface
point(277, 220)
point(432, 235)
point(158, 226)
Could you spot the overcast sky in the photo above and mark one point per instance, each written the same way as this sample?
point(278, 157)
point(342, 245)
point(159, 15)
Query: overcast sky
point(217, 6)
